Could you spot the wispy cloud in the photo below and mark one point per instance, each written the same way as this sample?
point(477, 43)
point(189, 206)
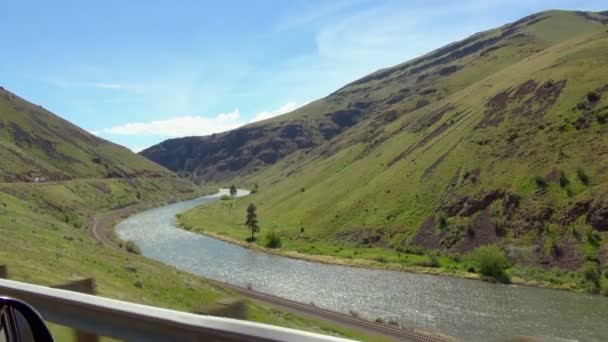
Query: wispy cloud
point(181, 126)
point(62, 83)
point(113, 86)
point(314, 11)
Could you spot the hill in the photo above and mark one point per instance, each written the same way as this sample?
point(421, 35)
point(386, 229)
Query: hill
point(36, 143)
point(496, 139)
point(43, 224)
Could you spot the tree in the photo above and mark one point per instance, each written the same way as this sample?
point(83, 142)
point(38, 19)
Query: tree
point(252, 220)
point(233, 190)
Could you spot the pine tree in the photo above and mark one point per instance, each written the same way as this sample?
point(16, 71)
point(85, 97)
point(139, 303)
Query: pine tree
point(252, 220)
point(233, 190)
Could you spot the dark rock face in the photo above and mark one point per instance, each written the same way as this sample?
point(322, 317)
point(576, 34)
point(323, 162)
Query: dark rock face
point(597, 216)
point(246, 149)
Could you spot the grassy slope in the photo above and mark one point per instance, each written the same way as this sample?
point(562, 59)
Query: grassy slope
point(43, 226)
point(35, 143)
point(46, 250)
point(351, 188)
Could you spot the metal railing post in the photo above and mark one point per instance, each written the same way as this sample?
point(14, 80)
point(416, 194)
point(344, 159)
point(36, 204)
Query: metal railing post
point(83, 286)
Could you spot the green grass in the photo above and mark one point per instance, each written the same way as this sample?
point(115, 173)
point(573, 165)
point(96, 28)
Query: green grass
point(57, 252)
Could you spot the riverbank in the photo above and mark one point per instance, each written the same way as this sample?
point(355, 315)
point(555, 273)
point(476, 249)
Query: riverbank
point(218, 221)
point(47, 222)
point(101, 226)
point(426, 302)
point(264, 308)
point(371, 264)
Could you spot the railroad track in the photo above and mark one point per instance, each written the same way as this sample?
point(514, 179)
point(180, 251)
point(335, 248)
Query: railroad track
point(373, 326)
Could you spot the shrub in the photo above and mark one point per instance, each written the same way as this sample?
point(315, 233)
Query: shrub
point(131, 247)
point(593, 97)
point(272, 240)
point(499, 226)
point(582, 176)
point(380, 259)
point(563, 179)
point(225, 198)
point(443, 220)
point(593, 237)
point(591, 274)
point(138, 284)
point(431, 261)
point(410, 249)
point(491, 261)
point(540, 182)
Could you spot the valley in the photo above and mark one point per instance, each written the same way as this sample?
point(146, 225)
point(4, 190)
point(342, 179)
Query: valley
point(44, 222)
point(453, 194)
point(496, 140)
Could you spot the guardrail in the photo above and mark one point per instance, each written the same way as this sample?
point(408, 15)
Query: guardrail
point(136, 322)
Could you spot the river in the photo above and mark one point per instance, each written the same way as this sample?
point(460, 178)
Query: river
point(467, 309)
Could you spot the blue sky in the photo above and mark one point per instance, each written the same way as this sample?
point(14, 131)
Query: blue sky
point(139, 72)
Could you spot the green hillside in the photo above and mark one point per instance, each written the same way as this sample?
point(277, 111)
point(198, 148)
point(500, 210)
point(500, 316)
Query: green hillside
point(44, 241)
point(43, 225)
point(36, 143)
point(496, 139)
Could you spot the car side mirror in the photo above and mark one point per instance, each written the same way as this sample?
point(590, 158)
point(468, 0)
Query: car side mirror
point(19, 322)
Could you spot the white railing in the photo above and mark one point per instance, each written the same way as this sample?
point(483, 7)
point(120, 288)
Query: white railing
point(135, 322)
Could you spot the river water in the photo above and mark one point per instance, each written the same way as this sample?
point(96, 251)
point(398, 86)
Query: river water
point(467, 309)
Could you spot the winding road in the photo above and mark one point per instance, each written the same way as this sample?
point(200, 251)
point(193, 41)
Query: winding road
point(102, 226)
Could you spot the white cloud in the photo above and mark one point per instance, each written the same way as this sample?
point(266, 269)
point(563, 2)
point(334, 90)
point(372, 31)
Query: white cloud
point(284, 109)
point(137, 149)
point(181, 126)
point(195, 125)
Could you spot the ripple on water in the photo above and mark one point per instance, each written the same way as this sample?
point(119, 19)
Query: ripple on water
point(471, 310)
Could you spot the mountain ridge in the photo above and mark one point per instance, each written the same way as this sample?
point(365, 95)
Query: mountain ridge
point(326, 118)
point(37, 143)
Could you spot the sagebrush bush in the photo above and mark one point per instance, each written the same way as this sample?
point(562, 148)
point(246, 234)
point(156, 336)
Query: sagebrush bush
point(431, 261)
point(563, 179)
point(591, 274)
point(272, 240)
point(131, 247)
point(491, 261)
point(540, 182)
point(443, 220)
point(582, 176)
